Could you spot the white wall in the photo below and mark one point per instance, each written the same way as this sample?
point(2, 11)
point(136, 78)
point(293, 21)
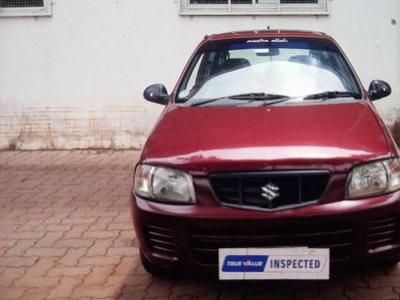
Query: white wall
point(75, 79)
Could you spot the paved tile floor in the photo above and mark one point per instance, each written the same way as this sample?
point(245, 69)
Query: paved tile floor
point(66, 233)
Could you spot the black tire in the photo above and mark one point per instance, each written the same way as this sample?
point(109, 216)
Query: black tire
point(156, 270)
point(391, 262)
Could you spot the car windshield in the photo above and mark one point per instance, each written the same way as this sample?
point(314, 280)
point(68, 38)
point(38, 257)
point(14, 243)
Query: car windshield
point(276, 68)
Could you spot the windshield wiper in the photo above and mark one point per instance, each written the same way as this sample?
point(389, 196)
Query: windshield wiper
point(332, 95)
point(258, 96)
point(249, 97)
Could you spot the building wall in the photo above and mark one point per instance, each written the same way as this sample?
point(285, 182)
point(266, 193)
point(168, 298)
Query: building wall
point(75, 79)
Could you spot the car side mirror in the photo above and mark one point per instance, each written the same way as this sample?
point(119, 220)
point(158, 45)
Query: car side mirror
point(156, 93)
point(379, 89)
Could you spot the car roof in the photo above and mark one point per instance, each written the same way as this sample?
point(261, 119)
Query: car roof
point(265, 33)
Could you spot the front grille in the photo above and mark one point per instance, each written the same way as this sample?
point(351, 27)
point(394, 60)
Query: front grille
point(383, 232)
point(245, 189)
point(338, 237)
point(161, 240)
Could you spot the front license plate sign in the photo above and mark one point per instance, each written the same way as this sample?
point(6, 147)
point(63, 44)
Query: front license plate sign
point(298, 263)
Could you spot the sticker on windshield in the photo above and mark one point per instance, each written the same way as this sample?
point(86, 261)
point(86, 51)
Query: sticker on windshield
point(275, 40)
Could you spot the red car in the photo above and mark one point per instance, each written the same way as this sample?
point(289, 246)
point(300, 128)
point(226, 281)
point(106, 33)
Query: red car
point(268, 141)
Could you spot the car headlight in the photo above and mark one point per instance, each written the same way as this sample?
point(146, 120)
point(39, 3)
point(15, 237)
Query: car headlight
point(164, 184)
point(372, 179)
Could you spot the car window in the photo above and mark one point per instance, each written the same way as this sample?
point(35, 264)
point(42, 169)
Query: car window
point(293, 67)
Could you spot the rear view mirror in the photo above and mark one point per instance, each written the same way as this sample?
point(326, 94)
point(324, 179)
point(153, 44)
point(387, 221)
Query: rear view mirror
point(267, 52)
point(379, 89)
point(156, 93)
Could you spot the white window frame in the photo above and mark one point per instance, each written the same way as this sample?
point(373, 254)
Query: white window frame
point(257, 7)
point(27, 11)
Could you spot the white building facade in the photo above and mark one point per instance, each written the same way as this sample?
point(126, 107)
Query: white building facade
point(72, 72)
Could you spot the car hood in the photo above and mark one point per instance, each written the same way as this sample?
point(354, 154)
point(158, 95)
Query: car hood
point(333, 136)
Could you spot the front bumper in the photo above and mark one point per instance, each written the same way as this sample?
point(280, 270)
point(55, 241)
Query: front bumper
point(188, 237)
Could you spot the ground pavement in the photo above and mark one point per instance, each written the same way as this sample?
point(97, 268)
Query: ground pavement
point(66, 233)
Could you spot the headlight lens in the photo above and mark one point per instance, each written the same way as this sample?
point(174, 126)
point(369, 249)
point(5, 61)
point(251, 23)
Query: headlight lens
point(373, 179)
point(164, 184)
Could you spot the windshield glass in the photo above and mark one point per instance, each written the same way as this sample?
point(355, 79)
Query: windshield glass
point(294, 67)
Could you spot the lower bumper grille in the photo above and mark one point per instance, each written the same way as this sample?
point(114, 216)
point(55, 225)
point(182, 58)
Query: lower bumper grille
point(384, 232)
point(161, 240)
point(339, 237)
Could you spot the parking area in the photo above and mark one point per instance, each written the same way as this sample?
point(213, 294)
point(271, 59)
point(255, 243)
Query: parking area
point(66, 233)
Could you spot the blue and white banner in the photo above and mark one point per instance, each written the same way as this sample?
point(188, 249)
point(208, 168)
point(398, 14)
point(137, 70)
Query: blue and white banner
point(273, 263)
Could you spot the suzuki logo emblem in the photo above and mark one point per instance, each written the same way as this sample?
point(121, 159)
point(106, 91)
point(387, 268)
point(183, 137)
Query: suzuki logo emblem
point(270, 192)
